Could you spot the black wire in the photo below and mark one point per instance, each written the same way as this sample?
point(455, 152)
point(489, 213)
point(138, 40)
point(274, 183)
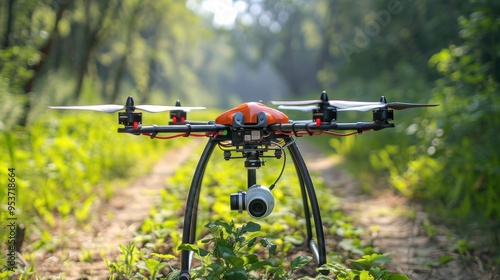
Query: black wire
point(282, 168)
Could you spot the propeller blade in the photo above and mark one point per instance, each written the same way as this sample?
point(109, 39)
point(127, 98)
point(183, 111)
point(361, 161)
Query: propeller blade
point(392, 105)
point(401, 105)
point(363, 108)
point(343, 104)
point(160, 108)
point(187, 109)
point(296, 103)
point(106, 108)
point(298, 108)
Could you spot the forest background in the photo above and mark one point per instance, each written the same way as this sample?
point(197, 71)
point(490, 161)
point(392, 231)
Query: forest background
point(220, 53)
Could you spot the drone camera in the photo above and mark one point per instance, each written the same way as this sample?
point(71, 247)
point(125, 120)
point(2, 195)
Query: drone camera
point(258, 201)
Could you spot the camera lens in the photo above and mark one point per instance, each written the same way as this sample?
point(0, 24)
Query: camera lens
point(257, 208)
point(258, 201)
point(237, 201)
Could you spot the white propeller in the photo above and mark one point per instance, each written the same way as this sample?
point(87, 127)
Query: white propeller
point(111, 108)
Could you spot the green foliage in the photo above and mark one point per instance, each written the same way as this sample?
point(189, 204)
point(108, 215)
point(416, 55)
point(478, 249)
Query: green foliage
point(469, 91)
point(64, 164)
point(16, 66)
point(366, 267)
point(445, 157)
point(129, 266)
point(232, 245)
point(454, 164)
point(132, 263)
point(231, 255)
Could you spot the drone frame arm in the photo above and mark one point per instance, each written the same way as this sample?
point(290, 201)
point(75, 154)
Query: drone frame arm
point(295, 127)
point(291, 127)
point(184, 128)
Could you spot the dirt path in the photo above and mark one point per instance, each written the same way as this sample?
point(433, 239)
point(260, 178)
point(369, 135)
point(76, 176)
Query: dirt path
point(398, 227)
point(114, 224)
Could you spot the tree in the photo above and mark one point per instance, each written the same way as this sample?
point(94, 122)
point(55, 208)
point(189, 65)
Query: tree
point(469, 93)
point(141, 46)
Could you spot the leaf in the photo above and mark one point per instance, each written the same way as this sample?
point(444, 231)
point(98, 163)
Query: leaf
point(225, 251)
point(236, 274)
point(174, 275)
point(261, 264)
point(299, 262)
point(250, 227)
point(152, 266)
point(235, 261)
point(206, 240)
point(272, 247)
point(250, 259)
point(279, 272)
point(252, 242)
point(365, 275)
point(368, 261)
point(397, 277)
point(349, 245)
point(228, 227)
point(380, 259)
point(445, 259)
point(163, 256)
point(190, 247)
point(377, 272)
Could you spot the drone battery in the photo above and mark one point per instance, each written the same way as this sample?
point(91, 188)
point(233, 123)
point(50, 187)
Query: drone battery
point(128, 119)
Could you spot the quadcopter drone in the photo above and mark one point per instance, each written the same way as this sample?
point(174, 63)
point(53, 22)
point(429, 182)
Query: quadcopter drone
point(252, 131)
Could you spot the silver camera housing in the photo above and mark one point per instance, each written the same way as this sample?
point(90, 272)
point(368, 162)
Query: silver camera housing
point(258, 201)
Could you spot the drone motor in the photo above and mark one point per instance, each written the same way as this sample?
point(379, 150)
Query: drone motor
point(130, 119)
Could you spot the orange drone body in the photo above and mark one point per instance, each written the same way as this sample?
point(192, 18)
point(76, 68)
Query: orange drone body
point(250, 111)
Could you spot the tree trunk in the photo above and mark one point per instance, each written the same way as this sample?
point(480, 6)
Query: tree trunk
point(45, 51)
point(153, 76)
point(10, 21)
point(91, 41)
point(122, 65)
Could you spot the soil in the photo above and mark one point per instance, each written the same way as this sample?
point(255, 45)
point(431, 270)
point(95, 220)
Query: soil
point(397, 226)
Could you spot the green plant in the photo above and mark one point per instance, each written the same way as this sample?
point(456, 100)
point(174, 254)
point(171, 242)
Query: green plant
point(125, 266)
point(232, 254)
point(153, 266)
point(28, 272)
point(85, 255)
point(369, 267)
point(132, 263)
